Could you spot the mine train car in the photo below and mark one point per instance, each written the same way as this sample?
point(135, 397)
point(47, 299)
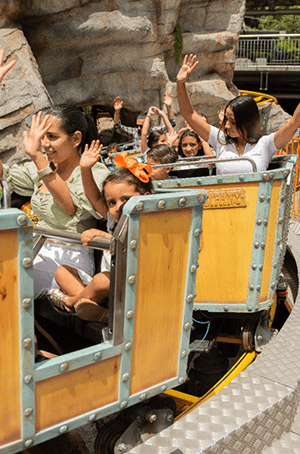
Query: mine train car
point(194, 265)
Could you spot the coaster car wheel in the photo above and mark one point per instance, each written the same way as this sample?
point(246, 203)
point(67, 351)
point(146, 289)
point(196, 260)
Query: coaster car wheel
point(108, 436)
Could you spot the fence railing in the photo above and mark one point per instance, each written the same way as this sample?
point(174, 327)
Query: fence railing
point(293, 147)
point(265, 50)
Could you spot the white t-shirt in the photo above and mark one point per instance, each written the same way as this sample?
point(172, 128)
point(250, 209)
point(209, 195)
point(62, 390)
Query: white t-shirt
point(261, 153)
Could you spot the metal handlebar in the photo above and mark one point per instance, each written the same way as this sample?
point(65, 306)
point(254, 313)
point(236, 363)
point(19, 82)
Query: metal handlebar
point(204, 162)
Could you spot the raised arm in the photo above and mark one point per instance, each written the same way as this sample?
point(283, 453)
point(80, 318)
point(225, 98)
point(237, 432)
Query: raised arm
point(146, 130)
point(166, 120)
point(33, 148)
point(168, 99)
point(4, 69)
point(88, 159)
point(287, 132)
point(118, 104)
point(197, 122)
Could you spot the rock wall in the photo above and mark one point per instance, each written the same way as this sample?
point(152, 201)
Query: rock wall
point(87, 52)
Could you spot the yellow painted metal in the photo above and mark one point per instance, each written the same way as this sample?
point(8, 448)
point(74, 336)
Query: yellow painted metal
point(270, 240)
point(242, 363)
point(227, 236)
point(162, 265)
point(9, 346)
point(73, 393)
point(258, 97)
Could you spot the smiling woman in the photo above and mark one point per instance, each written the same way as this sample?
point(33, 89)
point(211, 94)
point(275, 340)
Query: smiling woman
point(53, 180)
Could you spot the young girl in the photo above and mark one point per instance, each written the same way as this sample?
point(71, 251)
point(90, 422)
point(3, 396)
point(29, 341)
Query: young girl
point(240, 132)
point(84, 297)
point(191, 146)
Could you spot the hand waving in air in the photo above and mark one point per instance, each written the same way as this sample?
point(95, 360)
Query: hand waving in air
point(32, 141)
point(91, 154)
point(188, 66)
point(168, 99)
point(6, 68)
point(118, 103)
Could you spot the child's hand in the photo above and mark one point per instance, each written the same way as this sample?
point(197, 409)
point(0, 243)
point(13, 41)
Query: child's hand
point(168, 99)
point(118, 103)
point(91, 154)
point(151, 111)
point(88, 235)
point(172, 137)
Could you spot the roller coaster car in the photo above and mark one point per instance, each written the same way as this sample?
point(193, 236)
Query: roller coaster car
point(155, 252)
point(245, 224)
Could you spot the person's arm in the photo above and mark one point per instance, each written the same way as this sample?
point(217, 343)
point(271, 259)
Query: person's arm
point(206, 148)
point(4, 69)
point(166, 120)
point(118, 104)
point(287, 132)
point(168, 99)
point(88, 235)
point(54, 183)
point(198, 123)
point(146, 130)
point(88, 159)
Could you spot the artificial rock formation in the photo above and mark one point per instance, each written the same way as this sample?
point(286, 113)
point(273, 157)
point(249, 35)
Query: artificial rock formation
point(87, 52)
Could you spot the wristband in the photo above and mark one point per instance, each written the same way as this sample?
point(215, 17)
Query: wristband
point(169, 107)
point(51, 168)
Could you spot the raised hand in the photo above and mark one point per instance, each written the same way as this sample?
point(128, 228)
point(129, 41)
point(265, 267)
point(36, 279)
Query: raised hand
point(32, 141)
point(91, 154)
point(188, 66)
point(6, 68)
point(168, 99)
point(221, 114)
point(118, 103)
point(172, 137)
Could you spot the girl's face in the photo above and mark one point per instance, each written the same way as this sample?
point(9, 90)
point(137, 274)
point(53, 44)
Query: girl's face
point(230, 124)
point(190, 146)
point(116, 194)
point(161, 140)
point(58, 145)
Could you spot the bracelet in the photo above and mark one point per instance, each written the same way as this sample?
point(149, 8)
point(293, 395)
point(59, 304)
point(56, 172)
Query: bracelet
point(169, 107)
point(148, 116)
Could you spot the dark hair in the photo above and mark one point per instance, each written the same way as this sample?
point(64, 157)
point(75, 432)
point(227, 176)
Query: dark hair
point(141, 116)
point(154, 137)
point(246, 117)
point(163, 154)
point(189, 132)
point(112, 146)
point(72, 119)
point(125, 175)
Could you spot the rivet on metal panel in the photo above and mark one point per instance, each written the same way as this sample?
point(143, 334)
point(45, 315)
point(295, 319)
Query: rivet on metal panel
point(265, 222)
point(133, 244)
point(163, 388)
point(280, 221)
point(220, 180)
point(262, 198)
point(271, 176)
point(28, 443)
point(256, 245)
point(225, 308)
point(259, 222)
point(28, 411)
point(182, 380)
point(129, 315)
point(27, 379)
point(279, 241)
point(63, 429)
point(161, 204)
point(128, 346)
point(193, 268)
point(131, 279)
point(22, 220)
point(123, 404)
point(251, 287)
point(63, 367)
point(258, 288)
point(143, 396)
point(97, 356)
point(125, 377)
point(187, 326)
point(182, 202)
point(140, 206)
point(92, 417)
point(199, 182)
point(242, 177)
point(178, 183)
point(268, 198)
point(197, 232)
point(201, 198)
point(26, 302)
point(250, 308)
point(121, 448)
point(27, 343)
point(190, 298)
point(286, 173)
point(260, 267)
point(183, 354)
point(272, 285)
point(282, 199)
point(254, 267)
point(263, 245)
point(159, 185)
point(265, 176)
point(26, 262)
point(275, 266)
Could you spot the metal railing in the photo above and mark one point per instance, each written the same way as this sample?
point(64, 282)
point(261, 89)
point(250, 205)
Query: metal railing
point(265, 50)
point(293, 147)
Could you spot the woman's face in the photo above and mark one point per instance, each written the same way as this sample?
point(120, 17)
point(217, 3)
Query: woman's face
point(190, 146)
point(58, 145)
point(230, 124)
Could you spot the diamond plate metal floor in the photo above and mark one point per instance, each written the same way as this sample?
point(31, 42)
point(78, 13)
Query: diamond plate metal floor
point(258, 412)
